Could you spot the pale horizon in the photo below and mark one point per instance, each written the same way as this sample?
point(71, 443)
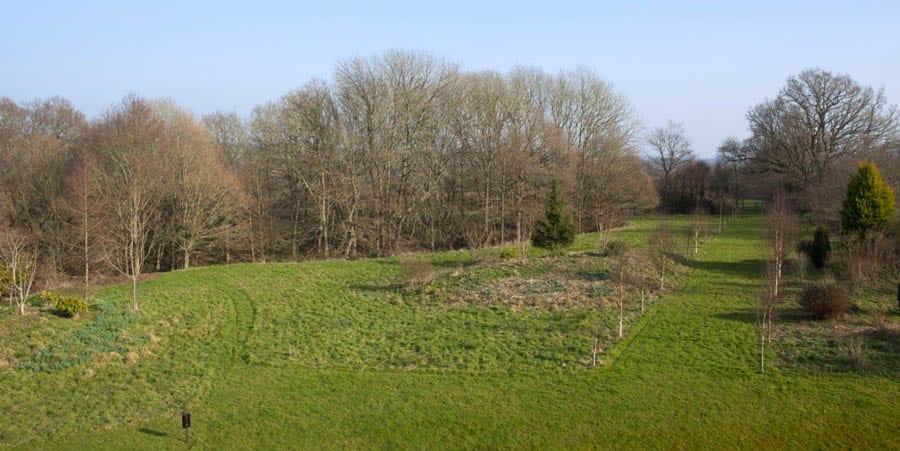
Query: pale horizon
point(703, 64)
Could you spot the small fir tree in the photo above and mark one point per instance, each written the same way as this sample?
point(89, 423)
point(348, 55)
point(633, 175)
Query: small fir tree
point(556, 229)
point(869, 203)
point(820, 250)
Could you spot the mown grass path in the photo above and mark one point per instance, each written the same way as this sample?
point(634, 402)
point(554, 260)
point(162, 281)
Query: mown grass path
point(686, 377)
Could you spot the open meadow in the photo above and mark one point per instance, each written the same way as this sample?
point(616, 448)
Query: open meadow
point(490, 353)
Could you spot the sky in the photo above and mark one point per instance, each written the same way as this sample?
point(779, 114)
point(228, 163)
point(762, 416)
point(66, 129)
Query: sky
point(701, 63)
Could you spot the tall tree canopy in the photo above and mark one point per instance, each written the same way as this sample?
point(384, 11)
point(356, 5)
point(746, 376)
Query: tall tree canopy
point(817, 118)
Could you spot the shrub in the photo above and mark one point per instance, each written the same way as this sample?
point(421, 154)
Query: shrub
point(67, 306)
point(824, 301)
point(616, 248)
point(509, 253)
point(417, 272)
point(856, 352)
point(805, 247)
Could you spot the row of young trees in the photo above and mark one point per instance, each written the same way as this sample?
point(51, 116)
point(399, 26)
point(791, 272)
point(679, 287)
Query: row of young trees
point(399, 151)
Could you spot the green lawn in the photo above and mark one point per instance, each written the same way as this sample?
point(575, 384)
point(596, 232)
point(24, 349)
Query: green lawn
point(335, 355)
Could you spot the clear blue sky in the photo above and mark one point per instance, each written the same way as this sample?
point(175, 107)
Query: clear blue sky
point(703, 63)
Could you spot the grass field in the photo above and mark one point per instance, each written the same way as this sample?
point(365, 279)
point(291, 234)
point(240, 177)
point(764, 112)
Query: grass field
point(337, 354)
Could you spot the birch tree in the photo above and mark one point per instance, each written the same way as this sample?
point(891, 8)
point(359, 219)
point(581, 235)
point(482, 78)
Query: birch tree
point(19, 259)
point(130, 141)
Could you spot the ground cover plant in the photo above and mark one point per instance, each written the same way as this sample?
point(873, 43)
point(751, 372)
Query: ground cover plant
point(488, 353)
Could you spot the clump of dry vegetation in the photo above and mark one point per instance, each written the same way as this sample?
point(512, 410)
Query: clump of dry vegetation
point(417, 272)
point(825, 301)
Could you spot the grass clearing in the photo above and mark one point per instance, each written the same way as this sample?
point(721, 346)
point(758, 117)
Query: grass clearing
point(338, 354)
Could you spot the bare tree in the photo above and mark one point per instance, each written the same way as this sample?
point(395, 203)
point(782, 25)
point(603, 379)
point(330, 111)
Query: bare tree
point(230, 135)
point(817, 118)
point(660, 243)
point(85, 202)
point(599, 127)
point(598, 332)
point(130, 141)
point(621, 279)
point(781, 233)
point(698, 227)
point(20, 261)
point(312, 150)
point(670, 149)
point(205, 192)
point(765, 311)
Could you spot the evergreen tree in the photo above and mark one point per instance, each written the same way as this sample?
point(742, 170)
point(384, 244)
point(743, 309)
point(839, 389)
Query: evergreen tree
point(869, 203)
point(820, 250)
point(556, 229)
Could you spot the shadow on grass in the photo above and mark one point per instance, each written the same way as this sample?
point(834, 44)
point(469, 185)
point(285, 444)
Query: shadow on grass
point(592, 275)
point(377, 287)
point(752, 268)
point(454, 264)
point(874, 351)
point(152, 432)
point(794, 315)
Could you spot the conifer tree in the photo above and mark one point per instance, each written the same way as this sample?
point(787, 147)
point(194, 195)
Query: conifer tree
point(556, 229)
point(821, 249)
point(869, 203)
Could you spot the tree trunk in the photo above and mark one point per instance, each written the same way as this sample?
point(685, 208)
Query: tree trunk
point(662, 275)
point(621, 316)
point(134, 299)
point(487, 218)
point(642, 298)
point(762, 350)
point(252, 244)
point(87, 273)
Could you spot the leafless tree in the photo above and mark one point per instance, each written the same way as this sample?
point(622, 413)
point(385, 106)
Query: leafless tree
point(130, 141)
point(660, 243)
point(598, 332)
point(817, 118)
point(86, 203)
point(230, 135)
point(765, 312)
point(669, 150)
point(621, 279)
point(781, 233)
point(698, 227)
point(19, 259)
point(599, 126)
point(204, 192)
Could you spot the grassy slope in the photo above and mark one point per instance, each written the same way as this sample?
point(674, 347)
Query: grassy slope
point(303, 356)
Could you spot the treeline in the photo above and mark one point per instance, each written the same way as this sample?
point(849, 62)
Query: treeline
point(809, 139)
point(398, 152)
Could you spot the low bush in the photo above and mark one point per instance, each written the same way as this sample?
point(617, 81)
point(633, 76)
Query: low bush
point(509, 253)
point(825, 301)
point(67, 306)
point(615, 248)
point(805, 247)
point(416, 271)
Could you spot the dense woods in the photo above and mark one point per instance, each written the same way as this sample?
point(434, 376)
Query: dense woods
point(401, 151)
point(398, 152)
